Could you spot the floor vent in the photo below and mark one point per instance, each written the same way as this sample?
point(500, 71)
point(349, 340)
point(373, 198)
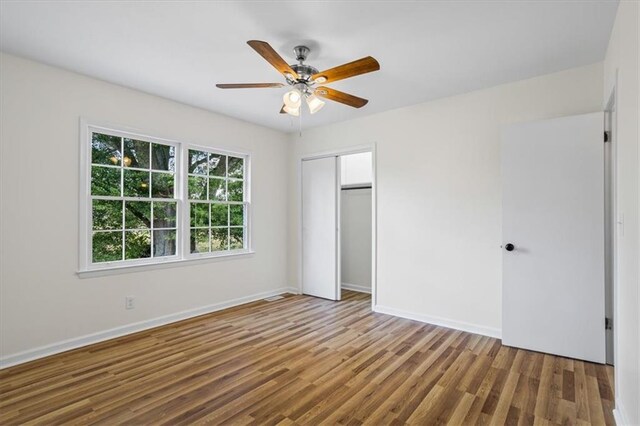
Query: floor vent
point(274, 298)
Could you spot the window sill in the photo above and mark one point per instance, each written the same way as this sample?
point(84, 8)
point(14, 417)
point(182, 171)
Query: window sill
point(123, 269)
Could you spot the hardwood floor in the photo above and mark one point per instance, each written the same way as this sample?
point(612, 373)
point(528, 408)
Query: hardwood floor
point(302, 360)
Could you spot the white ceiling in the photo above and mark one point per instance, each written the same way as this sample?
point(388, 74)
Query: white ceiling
point(427, 49)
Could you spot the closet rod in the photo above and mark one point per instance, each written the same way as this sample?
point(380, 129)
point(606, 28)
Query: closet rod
point(347, 188)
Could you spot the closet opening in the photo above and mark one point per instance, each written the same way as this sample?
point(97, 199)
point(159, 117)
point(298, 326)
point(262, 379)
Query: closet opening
point(356, 222)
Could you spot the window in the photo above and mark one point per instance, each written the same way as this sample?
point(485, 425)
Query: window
point(135, 195)
point(217, 203)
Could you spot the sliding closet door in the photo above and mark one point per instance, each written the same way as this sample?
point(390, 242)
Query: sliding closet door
point(320, 228)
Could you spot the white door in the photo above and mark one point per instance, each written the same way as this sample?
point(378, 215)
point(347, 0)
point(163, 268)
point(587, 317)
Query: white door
point(553, 237)
point(320, 228)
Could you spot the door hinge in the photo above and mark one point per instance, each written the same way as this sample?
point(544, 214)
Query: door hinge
point(606, 137)
point(608, 323)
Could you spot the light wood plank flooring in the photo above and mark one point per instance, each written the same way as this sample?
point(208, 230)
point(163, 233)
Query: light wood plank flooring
point(302, 360)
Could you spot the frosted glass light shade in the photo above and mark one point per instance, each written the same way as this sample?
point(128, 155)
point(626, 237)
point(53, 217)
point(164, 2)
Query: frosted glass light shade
point(292, 99)
point(314, 103)
point(292, 111)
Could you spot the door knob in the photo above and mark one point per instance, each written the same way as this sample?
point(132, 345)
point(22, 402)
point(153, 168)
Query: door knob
point(509, 247)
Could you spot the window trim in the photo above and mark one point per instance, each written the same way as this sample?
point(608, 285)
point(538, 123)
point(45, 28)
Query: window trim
point(183, 255)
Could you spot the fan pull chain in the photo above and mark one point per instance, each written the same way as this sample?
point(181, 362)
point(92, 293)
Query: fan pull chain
point(300, 122)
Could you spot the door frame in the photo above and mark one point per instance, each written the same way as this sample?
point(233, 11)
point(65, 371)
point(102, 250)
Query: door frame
point(611, 107)
point(374, 240)
point(611, 224)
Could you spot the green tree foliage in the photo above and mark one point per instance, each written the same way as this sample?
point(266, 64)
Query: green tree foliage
point(106, 149)
point(224, 185)
point(132, 168)
point(137, 244)
point(107, 246)
point(145, 227)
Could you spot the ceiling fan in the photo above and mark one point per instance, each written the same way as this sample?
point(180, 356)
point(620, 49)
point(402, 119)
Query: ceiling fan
point(305, 79)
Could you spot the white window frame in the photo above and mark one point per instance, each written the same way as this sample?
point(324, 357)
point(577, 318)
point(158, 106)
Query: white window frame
point(87, 267)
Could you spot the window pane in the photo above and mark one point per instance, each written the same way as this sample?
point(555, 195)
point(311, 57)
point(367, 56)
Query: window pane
point(197, 162)
point(217, 165)
point(197, 188)
point(199, 240)
point(219, 239)
point(164, 243)
point(137, 244)
point(199, 214)
point(105, 149)
point(136, 154)
point(236, 167)
point(105, 181)
point(219, 215)
point(107, 246)
point(162, 185)
point(237, 238)
point(136, 183)
point(164, 214)
point(164, 157)
point(107, 214)
point(137, 214)
point(236, 190)
point(236, 215)
point(217, 189)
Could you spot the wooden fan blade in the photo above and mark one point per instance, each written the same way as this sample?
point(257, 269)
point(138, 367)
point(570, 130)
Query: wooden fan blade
point(361, 66)
point(282, 111)
point(265, 50)
point(338, 96)
point(249, 85)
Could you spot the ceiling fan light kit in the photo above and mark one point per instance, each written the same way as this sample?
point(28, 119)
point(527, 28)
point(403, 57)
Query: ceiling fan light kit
point(304, 79)
point(293, 100)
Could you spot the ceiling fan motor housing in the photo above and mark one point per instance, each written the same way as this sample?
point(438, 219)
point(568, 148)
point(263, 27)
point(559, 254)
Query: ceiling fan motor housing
point(304, 71)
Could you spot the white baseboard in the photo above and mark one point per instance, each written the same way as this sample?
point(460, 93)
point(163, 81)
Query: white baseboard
point(619, 415)
point(355, 287)
point(77, 342)
point(442, 322)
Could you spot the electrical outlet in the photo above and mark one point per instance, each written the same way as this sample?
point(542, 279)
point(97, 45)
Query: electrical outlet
point(129, 302)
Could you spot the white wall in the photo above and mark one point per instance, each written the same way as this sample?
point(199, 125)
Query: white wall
point(622, 61)
point(355, 234)
point(42, 300)
point(438, 192)
point(355, 169)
